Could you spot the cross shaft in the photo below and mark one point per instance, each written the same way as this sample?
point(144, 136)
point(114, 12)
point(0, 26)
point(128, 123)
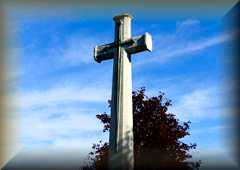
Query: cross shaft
point(121, 132)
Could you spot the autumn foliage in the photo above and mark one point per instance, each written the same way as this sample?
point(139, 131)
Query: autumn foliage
point(157, 135)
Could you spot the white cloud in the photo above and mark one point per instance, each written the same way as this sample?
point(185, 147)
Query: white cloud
point(75, 143)
point(216, 157)
point(185, 25)
point(35, 127)
point(183, 42)
point(79, 50)
point(177, 49)
point(52, 117)
point(211, 129)
point(199, 104)
point(70, 127)
point(60, 95)
point(190, 47)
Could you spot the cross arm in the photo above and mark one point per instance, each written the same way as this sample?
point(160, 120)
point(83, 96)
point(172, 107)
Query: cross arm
point(104, 52)
point(132, 46)
point(139, 44)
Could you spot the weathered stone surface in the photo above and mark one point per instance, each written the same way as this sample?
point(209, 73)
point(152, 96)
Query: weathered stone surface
point(121, 133)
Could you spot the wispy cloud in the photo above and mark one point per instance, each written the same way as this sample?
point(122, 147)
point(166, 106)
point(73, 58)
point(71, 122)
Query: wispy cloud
point(210, 129)
point(62, 95)
point(187, 25)
point(70, 125)
point(62, 114)
point(193, 46)
point(61, 50)
point(215, 157)
point(79, 49)
point(185, 41)
point(60, 126)
point(53, 116)
point(200, 103)
point(78, 142)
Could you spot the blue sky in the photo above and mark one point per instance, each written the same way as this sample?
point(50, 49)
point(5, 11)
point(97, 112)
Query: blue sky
point(61, 88)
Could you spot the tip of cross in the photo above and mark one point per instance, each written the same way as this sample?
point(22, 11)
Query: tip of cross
point(123, 15)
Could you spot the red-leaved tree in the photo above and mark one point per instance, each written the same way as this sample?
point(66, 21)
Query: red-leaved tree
point(157, 135)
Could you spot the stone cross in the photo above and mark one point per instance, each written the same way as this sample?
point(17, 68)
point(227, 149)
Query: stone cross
point(121, 132)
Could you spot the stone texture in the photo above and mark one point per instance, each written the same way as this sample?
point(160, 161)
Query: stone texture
point(121, 133)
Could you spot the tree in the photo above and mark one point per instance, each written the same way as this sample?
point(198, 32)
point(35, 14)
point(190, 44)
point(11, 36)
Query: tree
point(157, 135)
